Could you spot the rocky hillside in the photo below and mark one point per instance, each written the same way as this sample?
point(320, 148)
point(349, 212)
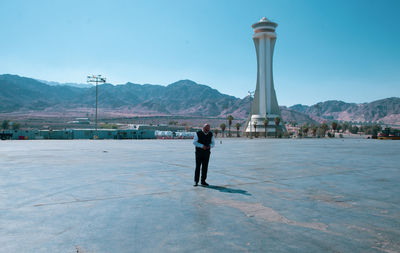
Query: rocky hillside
point(184, 98)
point(385, 110)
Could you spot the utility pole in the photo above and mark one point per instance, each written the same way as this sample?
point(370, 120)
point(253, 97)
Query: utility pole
point(96, 79)
point(250, 94)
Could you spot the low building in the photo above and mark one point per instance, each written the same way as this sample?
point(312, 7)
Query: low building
point(69, 134)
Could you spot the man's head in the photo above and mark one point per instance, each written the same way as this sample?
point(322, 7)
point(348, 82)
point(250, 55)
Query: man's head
point(206, 128)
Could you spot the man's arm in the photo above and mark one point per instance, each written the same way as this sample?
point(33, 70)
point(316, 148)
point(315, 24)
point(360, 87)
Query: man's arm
point(212, 142)
point(196, 142)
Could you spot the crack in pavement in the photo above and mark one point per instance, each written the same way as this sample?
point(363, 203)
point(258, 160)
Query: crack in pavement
point(266, 213)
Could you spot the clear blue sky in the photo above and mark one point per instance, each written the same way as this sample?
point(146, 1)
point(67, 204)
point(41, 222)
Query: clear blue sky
point(345, 50)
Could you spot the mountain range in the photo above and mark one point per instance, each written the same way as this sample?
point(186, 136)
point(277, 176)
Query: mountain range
point(384, 110)
point(183, 98)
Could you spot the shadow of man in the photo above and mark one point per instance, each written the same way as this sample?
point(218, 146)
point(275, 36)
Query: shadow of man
point(228, 190)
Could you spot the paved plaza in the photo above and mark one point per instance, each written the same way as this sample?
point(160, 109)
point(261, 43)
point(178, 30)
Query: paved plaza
point(310, 195)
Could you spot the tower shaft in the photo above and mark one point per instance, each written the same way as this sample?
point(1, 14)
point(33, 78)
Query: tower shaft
point(265, 104)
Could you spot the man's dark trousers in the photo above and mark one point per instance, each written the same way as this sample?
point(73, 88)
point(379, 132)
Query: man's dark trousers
point(202, 158)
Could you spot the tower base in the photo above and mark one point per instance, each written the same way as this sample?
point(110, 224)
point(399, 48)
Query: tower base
point(256, 127)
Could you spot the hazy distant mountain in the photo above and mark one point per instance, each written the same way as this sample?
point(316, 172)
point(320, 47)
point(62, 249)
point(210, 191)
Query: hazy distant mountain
point(78, 85)
point(385, 110)
point(21, 93)
point(289, 115)
point(185, 97)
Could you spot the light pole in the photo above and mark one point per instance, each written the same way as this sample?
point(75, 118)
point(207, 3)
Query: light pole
point(96, 79)
point(250, 94)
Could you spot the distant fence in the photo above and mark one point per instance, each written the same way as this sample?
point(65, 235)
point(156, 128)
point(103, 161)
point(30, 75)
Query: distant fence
point(70, 134)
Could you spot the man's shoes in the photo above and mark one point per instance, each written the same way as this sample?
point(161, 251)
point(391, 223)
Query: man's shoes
point(196, 184)
point(204, 183)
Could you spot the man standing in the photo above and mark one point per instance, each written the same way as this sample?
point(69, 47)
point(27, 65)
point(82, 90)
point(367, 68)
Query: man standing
point(203, 141)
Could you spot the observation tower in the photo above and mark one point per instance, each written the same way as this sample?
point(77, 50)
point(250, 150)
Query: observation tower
point(265, 104)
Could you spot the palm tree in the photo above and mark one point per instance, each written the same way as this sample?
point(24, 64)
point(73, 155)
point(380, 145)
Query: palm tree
point(305, 130)
point(255, 128)
point(237, 125)
point(334, 126)
point(314, 131)
point(222, 126)
point(354, 129)
point(277, 121)
point(16, 126)
point(265, 126)
point(5, 124)
point(229, 118)
point(216, 132)
point(324, 127)
point(345, 126)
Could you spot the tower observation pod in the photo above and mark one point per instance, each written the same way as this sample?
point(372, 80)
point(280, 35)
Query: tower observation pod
point(265, 105)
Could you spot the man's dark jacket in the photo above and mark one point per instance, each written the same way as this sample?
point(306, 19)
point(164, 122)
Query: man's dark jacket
point(204, 139)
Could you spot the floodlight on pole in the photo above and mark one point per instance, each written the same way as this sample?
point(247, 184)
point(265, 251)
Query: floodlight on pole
point(96, 79)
